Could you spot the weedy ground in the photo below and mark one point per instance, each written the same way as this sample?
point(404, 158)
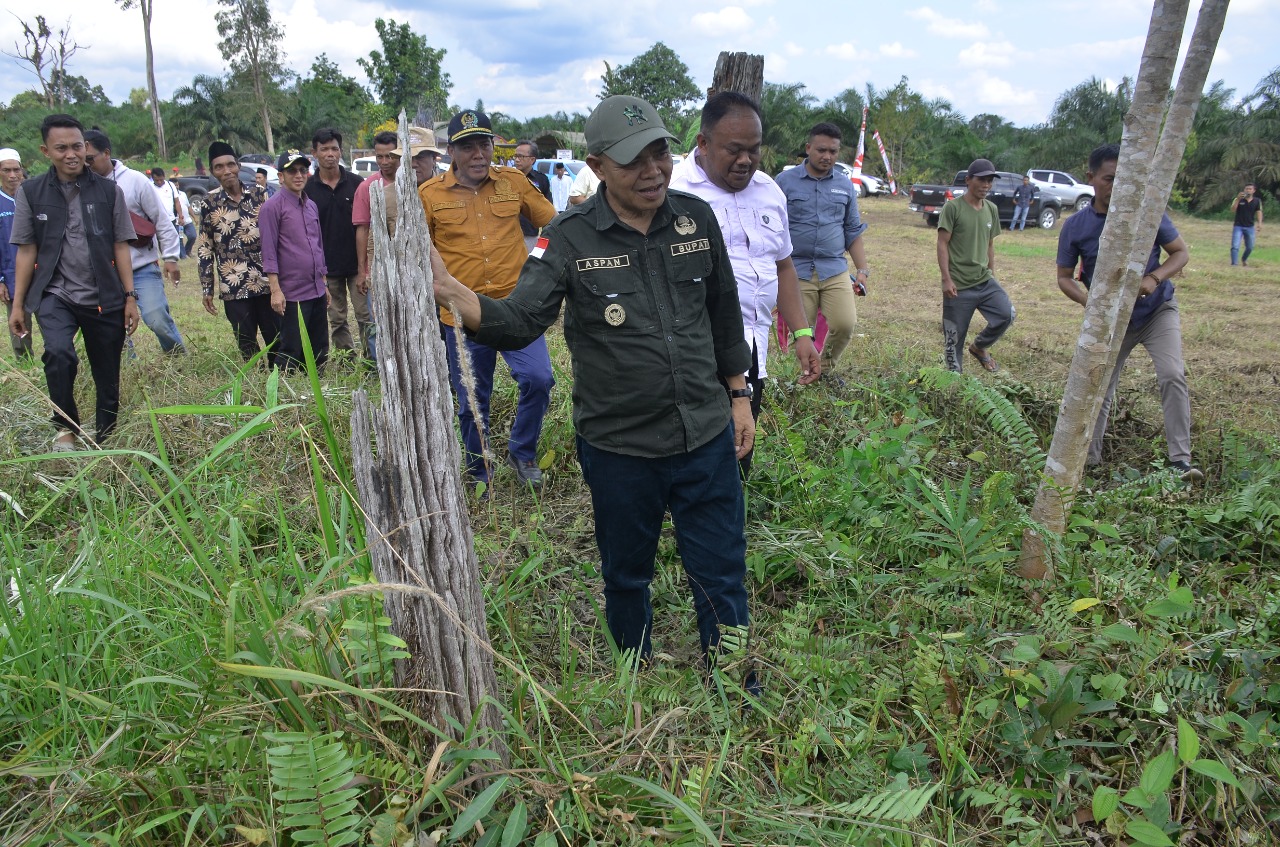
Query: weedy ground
point(190, 652)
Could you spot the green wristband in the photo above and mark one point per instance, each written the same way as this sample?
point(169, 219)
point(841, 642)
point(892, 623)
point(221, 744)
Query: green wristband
point(807, 332)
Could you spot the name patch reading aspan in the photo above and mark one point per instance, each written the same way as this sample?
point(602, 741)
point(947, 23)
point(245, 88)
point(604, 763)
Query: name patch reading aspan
point(690, 247)
point(604, 262)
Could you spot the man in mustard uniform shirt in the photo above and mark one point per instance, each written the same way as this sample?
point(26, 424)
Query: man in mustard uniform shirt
point(473, 211)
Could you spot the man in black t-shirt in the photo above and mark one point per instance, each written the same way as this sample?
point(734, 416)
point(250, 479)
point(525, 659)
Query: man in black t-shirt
point(1248, 223)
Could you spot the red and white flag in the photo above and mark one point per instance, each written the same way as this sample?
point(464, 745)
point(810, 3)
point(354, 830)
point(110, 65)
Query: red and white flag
point(888, 171)
point(862, 146)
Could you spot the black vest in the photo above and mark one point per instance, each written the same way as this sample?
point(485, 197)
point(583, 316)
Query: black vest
point(97, 208)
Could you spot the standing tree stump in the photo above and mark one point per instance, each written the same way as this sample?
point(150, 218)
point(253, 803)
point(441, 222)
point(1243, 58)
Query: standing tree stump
point(741, 72)
point(407, 462)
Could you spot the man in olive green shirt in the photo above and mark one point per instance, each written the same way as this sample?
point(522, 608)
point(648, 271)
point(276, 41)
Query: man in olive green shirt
point(967, 230)
point(651, 320)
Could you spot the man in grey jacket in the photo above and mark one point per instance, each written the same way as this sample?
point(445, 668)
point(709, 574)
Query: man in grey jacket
point(140, 195)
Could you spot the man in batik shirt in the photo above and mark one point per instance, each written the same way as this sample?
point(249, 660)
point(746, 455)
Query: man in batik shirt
point(231, 244)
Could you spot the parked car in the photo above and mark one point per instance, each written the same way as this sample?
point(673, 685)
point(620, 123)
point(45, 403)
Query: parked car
point(258, 159)
point(1071, 193)
point(868, 186)
point(929, 200)
point(364, 167)
point(547, 166)
point(198, 187)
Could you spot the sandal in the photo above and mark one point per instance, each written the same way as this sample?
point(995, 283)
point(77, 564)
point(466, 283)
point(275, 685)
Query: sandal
point(984, 358)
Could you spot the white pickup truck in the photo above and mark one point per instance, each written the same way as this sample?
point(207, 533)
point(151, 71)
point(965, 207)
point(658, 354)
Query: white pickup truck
point(1070, 193)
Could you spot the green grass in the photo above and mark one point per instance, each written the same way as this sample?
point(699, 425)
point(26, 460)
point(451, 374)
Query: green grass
point(195, 654)
point(1011, 245)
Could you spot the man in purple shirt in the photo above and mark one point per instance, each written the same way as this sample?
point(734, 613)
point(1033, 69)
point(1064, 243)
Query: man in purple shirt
point(293, 260)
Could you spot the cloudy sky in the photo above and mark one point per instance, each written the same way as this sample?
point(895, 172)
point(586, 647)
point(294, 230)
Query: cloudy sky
point(533, 57)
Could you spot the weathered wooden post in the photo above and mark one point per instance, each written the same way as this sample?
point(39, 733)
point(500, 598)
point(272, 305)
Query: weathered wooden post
point(407, 466)
point(741, 72)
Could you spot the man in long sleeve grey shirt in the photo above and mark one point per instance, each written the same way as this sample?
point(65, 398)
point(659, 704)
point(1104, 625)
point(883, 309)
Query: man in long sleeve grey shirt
point(822, 207)
point(142, 199)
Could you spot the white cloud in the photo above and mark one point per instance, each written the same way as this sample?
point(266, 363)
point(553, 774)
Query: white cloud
point(982, 54)
point(935, 90)
point(939, 24)
point(997, 95)
point(844, 51)
point(896, 51)
point(1250, 7)
point(730, 19)
point(792, 49)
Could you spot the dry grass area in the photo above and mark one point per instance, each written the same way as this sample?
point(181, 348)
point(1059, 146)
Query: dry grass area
point(1230, 317)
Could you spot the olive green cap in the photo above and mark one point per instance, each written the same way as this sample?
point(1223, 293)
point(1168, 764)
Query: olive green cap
point(621, 126)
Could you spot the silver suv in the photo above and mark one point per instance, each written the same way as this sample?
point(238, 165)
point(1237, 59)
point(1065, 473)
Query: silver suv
point(1070, 193)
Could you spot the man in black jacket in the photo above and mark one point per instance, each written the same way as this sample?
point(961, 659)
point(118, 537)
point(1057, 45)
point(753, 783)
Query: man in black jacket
point(526, 158)
point(74, 272)
point(333, 189)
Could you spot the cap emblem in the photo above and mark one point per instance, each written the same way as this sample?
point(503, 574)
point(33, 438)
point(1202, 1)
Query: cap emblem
point(633, 114)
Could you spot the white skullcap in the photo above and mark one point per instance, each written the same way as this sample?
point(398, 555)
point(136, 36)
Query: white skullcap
point(8, 153)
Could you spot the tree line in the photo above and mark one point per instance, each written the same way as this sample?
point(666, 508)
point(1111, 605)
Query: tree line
point(261, 104)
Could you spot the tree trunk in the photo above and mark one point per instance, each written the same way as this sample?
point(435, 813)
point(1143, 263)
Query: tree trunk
point(266, 113)
point(1148, 163)
point(147, 6)
point(411, 489)
point(741, 72)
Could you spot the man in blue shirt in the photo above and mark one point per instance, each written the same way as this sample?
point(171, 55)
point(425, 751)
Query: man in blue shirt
point(10, 179)
point(822, 209)
point(1155, 323)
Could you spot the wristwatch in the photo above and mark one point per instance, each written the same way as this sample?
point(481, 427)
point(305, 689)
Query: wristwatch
point(735, 393)
point(131, 293)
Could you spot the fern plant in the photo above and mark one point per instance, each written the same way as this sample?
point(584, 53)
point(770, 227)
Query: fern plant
point(310, 772)
point(997, 410)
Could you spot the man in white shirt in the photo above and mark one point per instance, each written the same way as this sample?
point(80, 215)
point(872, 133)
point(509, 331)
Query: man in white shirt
point(185, 224)
point(584, 185)
point(145, 252)
point(561, 182)
point(166, 191)
point(752, 211)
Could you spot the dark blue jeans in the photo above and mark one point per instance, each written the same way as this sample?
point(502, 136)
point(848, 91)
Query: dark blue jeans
point(630, 495)
point(531, 369)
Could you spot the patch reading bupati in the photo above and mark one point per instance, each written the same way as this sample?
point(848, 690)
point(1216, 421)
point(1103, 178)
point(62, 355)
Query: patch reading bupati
point(604, 263)
point(690, 247)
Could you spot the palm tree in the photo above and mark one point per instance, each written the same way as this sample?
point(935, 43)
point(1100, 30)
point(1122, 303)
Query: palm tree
point(786, 113)
point(206, 110)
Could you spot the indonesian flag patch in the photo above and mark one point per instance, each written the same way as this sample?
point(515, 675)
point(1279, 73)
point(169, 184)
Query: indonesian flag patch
point(540, 247)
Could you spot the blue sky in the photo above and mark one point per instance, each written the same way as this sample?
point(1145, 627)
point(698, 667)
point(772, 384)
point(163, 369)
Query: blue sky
point(533, 57)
